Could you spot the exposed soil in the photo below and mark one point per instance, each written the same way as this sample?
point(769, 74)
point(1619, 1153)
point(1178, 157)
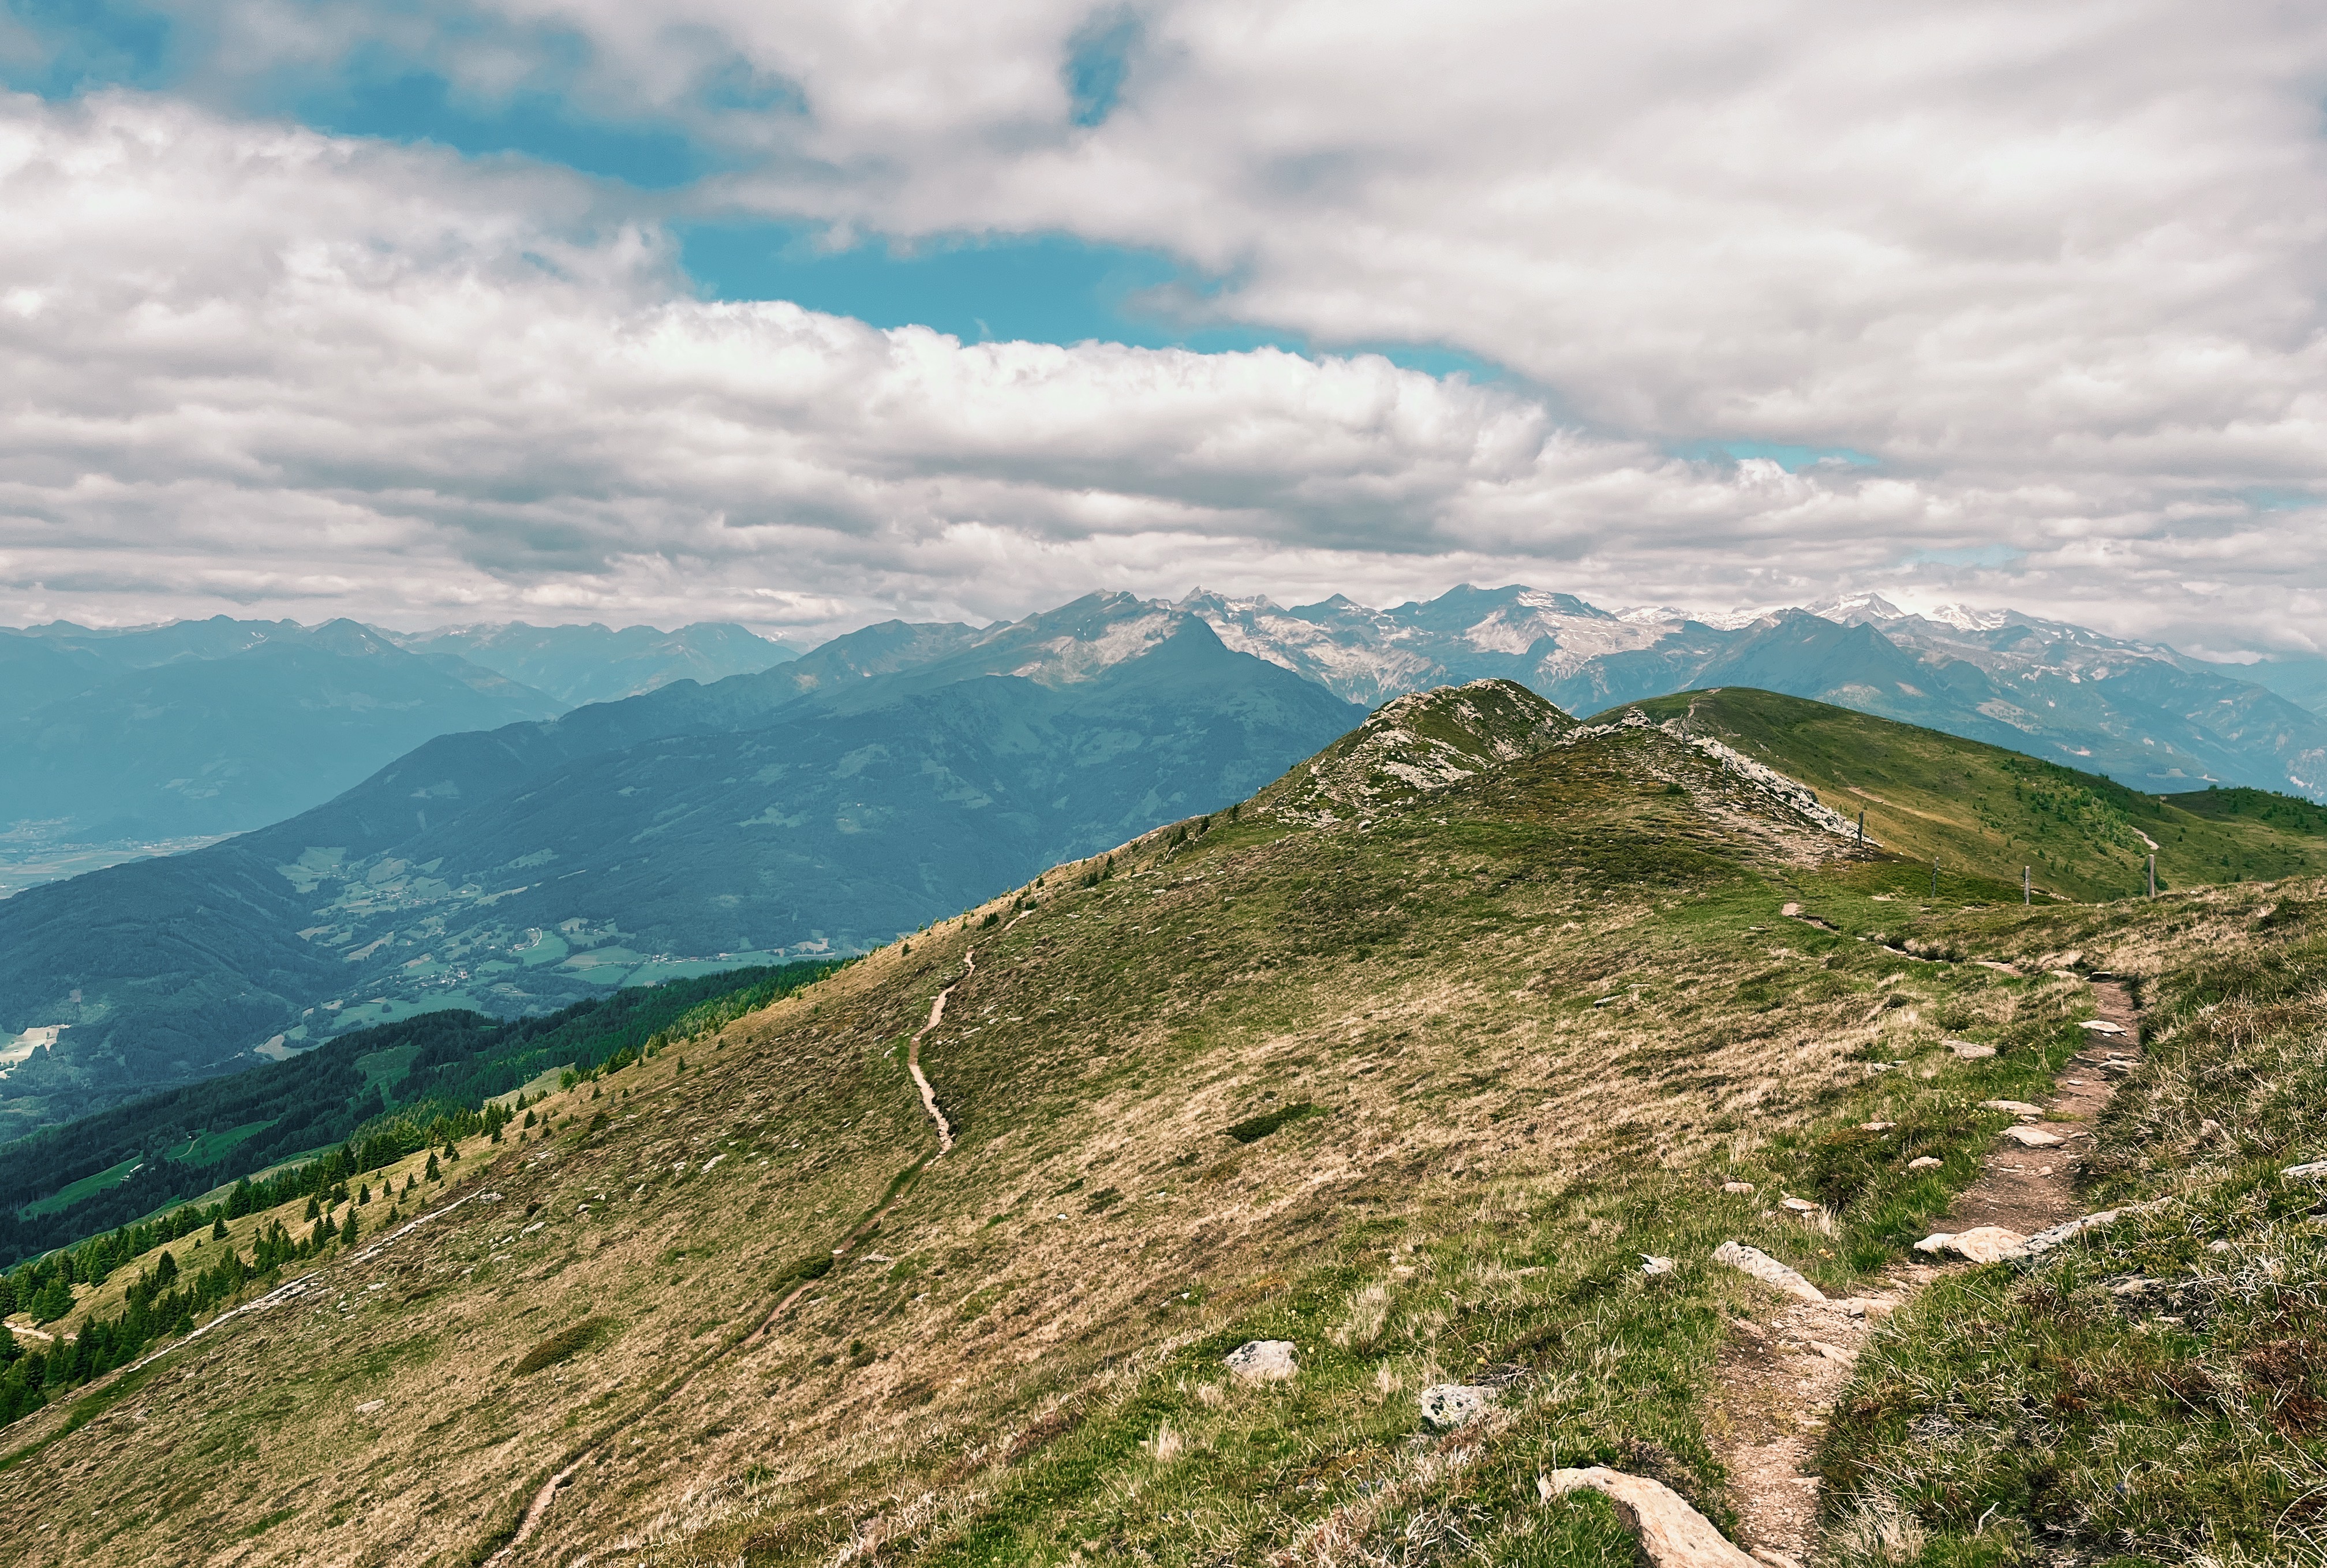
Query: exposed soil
point(1781, 1372)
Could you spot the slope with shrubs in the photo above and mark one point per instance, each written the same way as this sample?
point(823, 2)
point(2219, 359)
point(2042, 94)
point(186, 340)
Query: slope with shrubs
point(1415, 1089)
point(63, 1183)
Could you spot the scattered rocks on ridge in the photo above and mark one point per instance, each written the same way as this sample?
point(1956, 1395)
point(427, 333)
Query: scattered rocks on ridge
point(1980, 1244)
point(1264, 1360)
point(1754, 1260)
point(1447, 1406)
point(1672, 1534)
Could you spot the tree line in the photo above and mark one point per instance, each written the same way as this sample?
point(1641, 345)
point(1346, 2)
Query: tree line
point(334, 1093)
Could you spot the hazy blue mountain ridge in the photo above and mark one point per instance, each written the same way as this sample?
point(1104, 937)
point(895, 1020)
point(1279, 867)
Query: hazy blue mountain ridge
point(210, 728)
point(596, 664)
point(520, 868)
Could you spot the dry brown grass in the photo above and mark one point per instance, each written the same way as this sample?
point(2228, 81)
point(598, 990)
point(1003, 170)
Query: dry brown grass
point(1487, 1133)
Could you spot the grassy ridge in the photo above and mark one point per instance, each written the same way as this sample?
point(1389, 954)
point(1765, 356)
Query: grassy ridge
point(1986, 810)
point(1417, 1097)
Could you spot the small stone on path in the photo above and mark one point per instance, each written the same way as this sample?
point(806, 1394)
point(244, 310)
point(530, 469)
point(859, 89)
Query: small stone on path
point(2016, 1107)
point(1981, 1244)
point(1754, 1260)
point(2033, 1137)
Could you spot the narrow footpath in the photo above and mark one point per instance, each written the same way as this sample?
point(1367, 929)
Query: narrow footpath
point(1779, 1377)
point(538, 1507)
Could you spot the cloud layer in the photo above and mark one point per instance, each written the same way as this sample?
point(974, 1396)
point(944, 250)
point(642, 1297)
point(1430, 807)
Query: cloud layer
point(2058, 272)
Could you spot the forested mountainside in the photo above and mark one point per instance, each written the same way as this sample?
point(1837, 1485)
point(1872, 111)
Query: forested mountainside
point(63, 1183)
point(816, 809)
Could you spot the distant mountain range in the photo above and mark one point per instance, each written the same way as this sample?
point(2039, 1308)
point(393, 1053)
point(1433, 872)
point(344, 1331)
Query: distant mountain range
point(591, 664)
point(203, 728)
point(2139, 713)
point(822, 804)
point(893, 776)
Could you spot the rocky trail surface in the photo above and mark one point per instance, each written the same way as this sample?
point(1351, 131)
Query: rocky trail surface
point(1778, 1379)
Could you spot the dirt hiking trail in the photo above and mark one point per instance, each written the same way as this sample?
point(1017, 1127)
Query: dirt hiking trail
point(1778, 1377)
point(538, 1507)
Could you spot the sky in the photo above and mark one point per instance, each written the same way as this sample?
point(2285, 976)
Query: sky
point(805, 316)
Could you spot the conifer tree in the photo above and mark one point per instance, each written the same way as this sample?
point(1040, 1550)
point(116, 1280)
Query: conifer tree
point(349, 1229)
point(363, 1192)
point(314, 1209)
point(54, 1302)
point(434, 1174)
point(218, 1229)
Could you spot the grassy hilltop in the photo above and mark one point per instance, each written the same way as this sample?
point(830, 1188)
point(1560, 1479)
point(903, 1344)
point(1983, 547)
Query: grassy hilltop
point(1409, 1060)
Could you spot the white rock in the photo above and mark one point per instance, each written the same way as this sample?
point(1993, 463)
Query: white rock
point(2016, 1107)
point(1924, 1162)
point(1748, 1186)
point(1969, 1050)
point(1754, 1260)
point(1447, 1406)
point(2102, 1026)
point(1798, 1205)
point(1876, 1126)
point(1981, 1244)
point(1650, 1264)
point(1264, 1360)
point(1834, 1352)
point(368, 1405)
point(2033, 1137)
point(1672, 1534)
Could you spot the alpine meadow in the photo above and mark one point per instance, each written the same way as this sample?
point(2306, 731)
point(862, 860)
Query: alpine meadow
point(1502, 1138)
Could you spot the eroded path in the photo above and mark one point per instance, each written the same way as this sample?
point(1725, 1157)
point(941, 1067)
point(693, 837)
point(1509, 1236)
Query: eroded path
point(913, 1055)
point(1782, 1369)
point(537, 1507)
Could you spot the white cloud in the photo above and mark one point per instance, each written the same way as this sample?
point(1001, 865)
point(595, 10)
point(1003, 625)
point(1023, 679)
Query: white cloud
point(2057, 269)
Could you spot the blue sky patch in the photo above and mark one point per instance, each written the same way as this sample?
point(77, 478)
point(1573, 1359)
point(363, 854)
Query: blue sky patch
point(1048, 288)
point(1792, 459)
point(412, 106)
point(1099, 57)
point(85, 44)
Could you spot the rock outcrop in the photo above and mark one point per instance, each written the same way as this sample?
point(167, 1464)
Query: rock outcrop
point(1672, 1534)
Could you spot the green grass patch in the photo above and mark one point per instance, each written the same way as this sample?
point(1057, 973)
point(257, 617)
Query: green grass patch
point(569, 1340)
point(1252, 1129)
